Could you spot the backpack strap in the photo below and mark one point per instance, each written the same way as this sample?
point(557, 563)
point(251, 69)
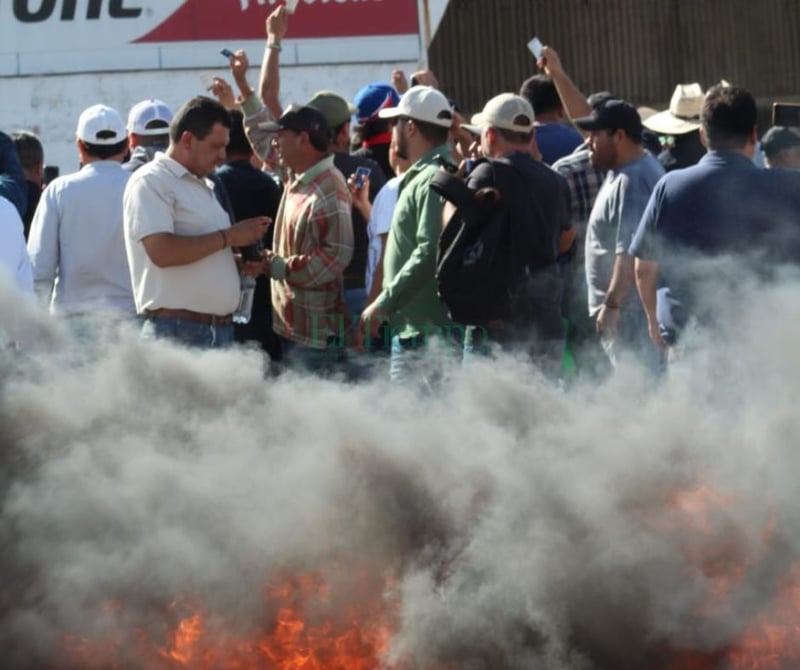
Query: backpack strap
point(451, 188)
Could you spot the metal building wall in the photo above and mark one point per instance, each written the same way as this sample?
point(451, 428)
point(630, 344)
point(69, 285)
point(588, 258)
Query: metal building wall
point(638, 49)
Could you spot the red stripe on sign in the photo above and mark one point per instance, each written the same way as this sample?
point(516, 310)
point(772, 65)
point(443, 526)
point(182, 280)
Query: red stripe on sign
point(312, 18)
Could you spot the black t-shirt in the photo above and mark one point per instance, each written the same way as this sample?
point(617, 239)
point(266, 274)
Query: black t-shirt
point(687, 150)
point(347, 165)
point(544, 213)
point(252, 192)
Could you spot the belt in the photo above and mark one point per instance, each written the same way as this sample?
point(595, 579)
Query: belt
point(189, 315)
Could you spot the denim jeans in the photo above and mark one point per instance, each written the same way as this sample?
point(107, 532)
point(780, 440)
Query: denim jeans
point(423, 358)
point(190, 333)
point(323, 362)
point(356, 300)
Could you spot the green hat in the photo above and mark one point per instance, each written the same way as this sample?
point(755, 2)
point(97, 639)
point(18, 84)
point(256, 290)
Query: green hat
point(334, 108)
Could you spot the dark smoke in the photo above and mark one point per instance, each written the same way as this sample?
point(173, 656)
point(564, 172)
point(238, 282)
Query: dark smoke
point(529, 526)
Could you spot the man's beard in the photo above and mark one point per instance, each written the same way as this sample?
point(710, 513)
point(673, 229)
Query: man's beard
point(401, 146)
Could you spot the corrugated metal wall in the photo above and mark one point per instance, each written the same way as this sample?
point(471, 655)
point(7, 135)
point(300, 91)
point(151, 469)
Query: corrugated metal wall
point(638, 49)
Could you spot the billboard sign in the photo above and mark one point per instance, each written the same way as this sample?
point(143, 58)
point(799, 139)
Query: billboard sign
point(40, 36)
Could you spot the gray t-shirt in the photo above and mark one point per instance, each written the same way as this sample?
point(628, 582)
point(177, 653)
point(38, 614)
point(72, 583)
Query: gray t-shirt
point(615, 216)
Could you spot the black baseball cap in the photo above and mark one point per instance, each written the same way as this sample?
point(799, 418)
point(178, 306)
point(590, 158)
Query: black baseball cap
point(302, 118)
point(613, 115)
point(778, 138)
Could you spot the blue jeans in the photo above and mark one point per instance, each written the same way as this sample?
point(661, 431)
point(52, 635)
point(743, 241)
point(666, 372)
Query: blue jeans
point(323, 362)
point(356, 300)
point(423, 358)
point(190, 333)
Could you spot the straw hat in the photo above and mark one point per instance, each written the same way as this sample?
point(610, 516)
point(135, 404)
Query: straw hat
point(683, 115)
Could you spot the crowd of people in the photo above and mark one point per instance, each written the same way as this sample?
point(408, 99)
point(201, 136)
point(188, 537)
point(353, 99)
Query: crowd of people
point(236, 219)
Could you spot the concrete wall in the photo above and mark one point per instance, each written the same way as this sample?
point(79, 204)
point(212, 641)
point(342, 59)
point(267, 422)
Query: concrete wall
point(50, 105)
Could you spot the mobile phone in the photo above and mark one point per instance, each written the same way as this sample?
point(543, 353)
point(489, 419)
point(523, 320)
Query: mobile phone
point(536, 46)
point(786, 114)
point(227, 53)
point(291, 5)
point(361, 174)
point(252, 252)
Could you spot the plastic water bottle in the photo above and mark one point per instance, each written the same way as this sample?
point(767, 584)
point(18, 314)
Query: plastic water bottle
point(245, 308)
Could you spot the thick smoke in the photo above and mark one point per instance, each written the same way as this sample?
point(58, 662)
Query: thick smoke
point(528, 526)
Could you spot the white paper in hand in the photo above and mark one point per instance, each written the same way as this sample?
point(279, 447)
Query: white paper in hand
point(536, 46)
point(291, 5)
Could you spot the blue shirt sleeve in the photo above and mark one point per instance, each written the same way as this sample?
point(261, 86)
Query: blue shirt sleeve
point(12, 179)
point(632, 196)
point(644, 243)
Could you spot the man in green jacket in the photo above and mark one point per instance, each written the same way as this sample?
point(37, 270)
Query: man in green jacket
point(409, 299)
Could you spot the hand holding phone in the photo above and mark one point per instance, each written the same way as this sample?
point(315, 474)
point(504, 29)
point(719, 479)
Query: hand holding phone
point(535, 46)
point(361, 174)
point(786, 114)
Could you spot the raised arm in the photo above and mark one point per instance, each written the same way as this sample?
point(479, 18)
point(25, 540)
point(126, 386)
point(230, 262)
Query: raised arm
point(239, 65)
point(575, 103)
point(269, 82)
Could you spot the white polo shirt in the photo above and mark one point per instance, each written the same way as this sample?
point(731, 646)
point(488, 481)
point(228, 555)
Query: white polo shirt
point(76, 241)
point(164, 197)
point(14, 261)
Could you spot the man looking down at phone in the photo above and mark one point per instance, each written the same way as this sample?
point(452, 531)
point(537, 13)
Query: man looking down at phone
point(179, 238)
point(313, 243)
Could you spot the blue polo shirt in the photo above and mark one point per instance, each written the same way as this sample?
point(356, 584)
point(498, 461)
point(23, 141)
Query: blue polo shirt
point(724, 204)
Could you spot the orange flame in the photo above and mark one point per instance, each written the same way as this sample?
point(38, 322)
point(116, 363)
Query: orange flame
point(771, 641)
point(309, 630)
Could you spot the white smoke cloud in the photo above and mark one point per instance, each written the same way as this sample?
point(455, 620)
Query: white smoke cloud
point(528, 526)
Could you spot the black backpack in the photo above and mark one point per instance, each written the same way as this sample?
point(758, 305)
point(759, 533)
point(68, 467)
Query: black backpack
point(480, 259)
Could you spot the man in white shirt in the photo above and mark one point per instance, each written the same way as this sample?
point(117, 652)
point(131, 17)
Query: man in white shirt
point(76, 242)
point(179, 238)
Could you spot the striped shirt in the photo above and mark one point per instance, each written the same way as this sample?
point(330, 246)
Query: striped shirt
point(313, 245)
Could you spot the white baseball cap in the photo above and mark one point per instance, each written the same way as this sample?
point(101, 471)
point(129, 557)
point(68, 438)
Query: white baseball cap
point(423, 103)
point(100, 124)
point(506, 111)
point(149, 117)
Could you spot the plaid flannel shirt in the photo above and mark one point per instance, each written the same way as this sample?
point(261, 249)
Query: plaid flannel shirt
point(584, 182)
point(313, 244)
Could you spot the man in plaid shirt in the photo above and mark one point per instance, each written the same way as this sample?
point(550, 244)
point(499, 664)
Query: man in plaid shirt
point(313, 242)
